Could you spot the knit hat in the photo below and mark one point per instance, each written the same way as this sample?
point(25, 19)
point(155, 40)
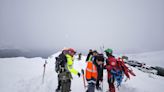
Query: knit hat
point(109, 51)
point(95, 51)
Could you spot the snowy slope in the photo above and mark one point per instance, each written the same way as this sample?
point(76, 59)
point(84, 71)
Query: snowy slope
point(25, 75)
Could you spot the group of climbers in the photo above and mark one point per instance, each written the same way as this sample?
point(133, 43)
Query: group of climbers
point(64, 68)
point(96, 63)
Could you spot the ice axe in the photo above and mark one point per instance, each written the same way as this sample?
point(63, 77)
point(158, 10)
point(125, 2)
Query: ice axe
point(82, 71)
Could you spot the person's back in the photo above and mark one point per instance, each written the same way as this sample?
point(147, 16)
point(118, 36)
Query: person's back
point(111, 63)
point(89, 56)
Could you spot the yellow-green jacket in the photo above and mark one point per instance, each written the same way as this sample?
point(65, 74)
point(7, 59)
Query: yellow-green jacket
point(70, 64)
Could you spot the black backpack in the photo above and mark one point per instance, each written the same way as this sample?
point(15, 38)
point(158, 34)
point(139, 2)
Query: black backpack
point(60, 63)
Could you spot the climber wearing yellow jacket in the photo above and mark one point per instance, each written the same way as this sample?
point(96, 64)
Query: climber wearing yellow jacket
point(64, 63)
point(70, 61)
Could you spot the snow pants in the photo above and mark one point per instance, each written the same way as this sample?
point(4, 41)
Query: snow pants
point(64, 81)
point(111, 84)
point(91, 87)
point(65, 86)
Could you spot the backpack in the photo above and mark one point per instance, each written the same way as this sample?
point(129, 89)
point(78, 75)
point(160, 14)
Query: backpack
point(60, 63)
point(117, 69)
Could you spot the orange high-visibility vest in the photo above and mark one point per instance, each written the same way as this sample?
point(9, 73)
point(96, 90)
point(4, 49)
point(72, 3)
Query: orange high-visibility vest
point(91, 72)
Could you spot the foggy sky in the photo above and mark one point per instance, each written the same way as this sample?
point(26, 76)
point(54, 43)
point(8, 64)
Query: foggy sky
point(128, 25)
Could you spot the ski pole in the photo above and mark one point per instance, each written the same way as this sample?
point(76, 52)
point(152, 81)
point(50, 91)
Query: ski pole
point(102, 49)
point(44, 71)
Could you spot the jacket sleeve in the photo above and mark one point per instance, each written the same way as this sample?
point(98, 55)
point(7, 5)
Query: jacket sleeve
point(108, 66)
point(70, 65)
point(87, 58)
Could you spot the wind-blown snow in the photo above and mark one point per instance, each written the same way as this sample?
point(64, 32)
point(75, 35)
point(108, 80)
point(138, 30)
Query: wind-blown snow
point(25, 75)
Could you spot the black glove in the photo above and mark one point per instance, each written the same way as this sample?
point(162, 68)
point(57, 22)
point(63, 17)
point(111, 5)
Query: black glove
point(79, 74)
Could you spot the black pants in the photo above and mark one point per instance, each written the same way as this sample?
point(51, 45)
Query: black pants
point(64, 85)
point(59, 83)
point(91, 87)
point(97, 84)
point(111, 84)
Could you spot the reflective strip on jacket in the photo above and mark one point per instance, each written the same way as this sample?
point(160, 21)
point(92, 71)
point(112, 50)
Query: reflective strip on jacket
point(70, 64)
point(90, 58)
point(91, 73)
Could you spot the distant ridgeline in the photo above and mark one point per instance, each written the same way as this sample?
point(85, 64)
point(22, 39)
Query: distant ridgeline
point(7, 53)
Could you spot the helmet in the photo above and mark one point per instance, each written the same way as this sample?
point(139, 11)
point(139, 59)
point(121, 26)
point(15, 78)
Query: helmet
point(90, 50)
point(65, 51)
point(71, 50)
point(109, 51)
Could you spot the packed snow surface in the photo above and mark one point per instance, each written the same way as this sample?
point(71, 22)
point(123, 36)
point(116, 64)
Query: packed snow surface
point(25, 75)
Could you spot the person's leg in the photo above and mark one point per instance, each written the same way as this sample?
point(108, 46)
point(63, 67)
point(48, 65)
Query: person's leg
point(65, 86)
point(98, 85)
point(111, 85)
point(91, 87)
point(69, 83)
point(59, 84)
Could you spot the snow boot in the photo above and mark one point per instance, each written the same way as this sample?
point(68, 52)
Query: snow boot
point(58, 90)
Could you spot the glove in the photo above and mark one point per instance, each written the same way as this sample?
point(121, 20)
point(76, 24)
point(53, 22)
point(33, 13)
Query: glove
point(79, 74)
point(101, 80)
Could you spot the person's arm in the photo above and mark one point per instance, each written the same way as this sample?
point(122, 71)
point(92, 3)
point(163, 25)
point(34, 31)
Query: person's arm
point(87, 58)
point(70, 65)
point(108, 66)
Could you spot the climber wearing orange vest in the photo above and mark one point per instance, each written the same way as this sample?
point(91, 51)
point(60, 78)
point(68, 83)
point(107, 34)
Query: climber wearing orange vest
point(91, 72)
